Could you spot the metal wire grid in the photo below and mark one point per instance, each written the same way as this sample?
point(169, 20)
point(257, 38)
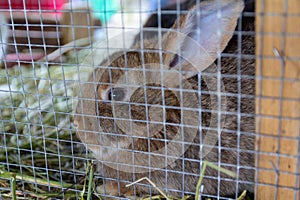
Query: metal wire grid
point(279, 137)
point(24, 155)
point(200, 92)
point(46, 168)
point(60, 169)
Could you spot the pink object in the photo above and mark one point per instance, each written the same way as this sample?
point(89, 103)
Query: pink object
point(12, 59)
point(51, 5)
point(24, 57)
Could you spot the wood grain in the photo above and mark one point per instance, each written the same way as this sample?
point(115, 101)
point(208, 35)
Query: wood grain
point(278, 99)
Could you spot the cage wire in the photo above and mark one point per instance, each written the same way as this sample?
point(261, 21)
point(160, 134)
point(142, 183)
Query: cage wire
point(278, 163)
point(146, 99)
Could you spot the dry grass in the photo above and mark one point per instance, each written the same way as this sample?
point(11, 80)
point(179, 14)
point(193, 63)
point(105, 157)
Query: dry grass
point(39, 150)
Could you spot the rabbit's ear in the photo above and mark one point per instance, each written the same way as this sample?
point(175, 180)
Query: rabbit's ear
point(203, 34)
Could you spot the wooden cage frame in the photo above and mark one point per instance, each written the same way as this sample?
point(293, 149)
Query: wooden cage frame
point(278, 99)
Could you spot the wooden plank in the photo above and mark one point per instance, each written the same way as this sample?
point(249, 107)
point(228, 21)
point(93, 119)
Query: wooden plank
point(77, 22)
point(278, 99)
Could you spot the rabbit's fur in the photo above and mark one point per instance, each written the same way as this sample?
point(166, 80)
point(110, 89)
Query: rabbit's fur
point(180, 176)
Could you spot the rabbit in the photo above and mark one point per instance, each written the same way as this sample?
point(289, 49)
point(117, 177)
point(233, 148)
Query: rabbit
point(3, 36)
point(133, 141)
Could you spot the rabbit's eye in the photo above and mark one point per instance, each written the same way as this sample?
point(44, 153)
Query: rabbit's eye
point(116, 94)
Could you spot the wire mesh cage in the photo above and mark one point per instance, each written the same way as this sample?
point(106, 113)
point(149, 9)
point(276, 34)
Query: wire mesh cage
point(139, 99)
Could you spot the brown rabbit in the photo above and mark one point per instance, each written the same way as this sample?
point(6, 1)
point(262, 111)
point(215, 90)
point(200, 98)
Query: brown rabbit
point(150, 113)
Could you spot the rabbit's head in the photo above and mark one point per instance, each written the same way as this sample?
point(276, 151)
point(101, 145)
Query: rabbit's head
point(139, 104)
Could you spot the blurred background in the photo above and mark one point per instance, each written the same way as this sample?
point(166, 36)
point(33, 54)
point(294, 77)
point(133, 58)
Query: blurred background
point(48, 24)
